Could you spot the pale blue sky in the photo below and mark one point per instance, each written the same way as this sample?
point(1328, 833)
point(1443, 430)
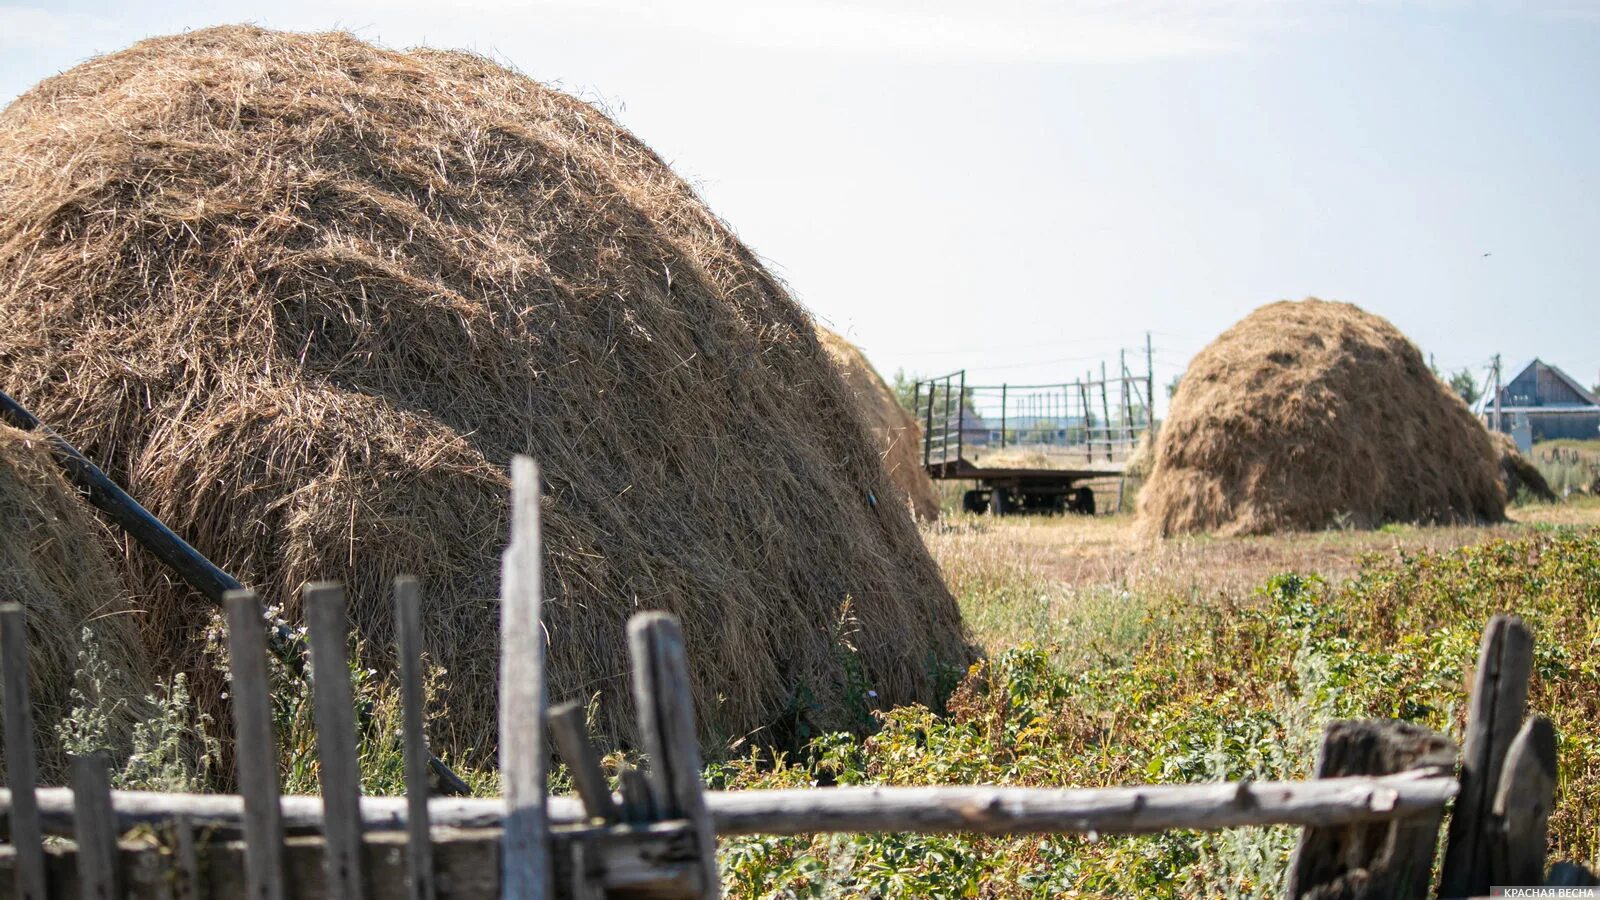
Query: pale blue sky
point(1021, 188)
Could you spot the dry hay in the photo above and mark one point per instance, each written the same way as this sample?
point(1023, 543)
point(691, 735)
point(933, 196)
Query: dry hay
point(305, 298)
point(1310, 415)
point(1518, 473)
point(1143, 458)
point(894, 431)
point(54, 562)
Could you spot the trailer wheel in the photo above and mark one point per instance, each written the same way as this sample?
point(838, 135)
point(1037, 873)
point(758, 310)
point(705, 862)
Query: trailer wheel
point(975, 501)
point(999, 501)
point(1083, 501)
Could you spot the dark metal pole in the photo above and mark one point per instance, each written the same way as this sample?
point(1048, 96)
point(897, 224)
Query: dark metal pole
point(1105, 410)
point(1002, 417)
point(961, 416)
point(1149, 382)
point(1088, 436)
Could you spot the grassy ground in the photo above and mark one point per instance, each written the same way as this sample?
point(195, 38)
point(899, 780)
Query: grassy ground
point(1570, 466)
point(1116, 661)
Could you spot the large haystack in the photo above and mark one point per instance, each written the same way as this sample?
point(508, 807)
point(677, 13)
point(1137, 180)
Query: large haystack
point(1312, 415)
point(894, 431)
point(54, 562)
point(306, 298)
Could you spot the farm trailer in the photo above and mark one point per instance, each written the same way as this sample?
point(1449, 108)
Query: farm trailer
point(1032, 447)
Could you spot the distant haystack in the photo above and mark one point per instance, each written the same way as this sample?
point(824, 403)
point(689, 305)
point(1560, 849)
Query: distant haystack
point(1518, 473)
point(54, 562)
point(894, 431)
point(1312, 414)
point(306, 298)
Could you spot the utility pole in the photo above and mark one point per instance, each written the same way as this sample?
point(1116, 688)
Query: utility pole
point(1495, 425)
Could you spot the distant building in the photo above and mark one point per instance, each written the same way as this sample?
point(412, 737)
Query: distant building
point(1554, 403)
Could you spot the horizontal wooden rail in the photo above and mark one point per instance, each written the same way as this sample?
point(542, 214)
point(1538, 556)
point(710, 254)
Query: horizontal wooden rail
point(928, 810)
point(1119, 810)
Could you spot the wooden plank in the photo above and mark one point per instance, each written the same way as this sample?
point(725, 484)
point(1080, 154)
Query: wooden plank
point(571, 736)
point(256, 747)
point(1569, 874)
point(185, 884)
point(652, 862)
point(1494, 715)
point(922, 810)
point(21, 768)
point(1522, 804)
point(638, 806)
point(1383, 859)
point(522, 694)
point(661, 693)
point(223, 814)
point(95, 830)
point(408, 649)
point(338, 754)
point(1123, 810)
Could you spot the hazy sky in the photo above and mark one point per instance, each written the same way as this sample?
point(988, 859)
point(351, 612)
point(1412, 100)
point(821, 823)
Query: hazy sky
point(1022, 188)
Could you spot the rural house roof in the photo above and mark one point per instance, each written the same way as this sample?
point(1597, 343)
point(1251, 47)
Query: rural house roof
point(1581, 398)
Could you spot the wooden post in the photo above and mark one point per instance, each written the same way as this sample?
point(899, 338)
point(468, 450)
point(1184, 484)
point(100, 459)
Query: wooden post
point(95, 827)
point(1522, 805)
point(666, 723)
point(408, 649)
point(257, 754)
point(571, 736)
point(333, 706)
point(21, 768)
point(525, 849)
point(1494, 716)
point(1387, 859)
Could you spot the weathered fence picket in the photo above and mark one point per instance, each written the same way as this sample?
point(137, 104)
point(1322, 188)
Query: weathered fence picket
point(94, 828)
point(256, 749)
point(339, 766)
point(522, 694)
point(1498, 701)
point(408, 651)
point(1370, 817)
point(21, 774)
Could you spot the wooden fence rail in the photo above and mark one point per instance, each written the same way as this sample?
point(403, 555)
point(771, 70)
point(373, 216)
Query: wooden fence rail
point(1370, 818)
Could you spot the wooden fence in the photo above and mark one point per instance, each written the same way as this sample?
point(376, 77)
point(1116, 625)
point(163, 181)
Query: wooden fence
point(1370, 818)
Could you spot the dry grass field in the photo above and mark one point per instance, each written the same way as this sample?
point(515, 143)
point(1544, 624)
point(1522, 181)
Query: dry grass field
point(1089, 577)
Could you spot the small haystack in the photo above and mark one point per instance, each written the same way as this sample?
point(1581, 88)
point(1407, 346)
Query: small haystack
point(1313, 415)
point(306, 297)
point(894, 431)
point(54, 561)
point(1518, 473)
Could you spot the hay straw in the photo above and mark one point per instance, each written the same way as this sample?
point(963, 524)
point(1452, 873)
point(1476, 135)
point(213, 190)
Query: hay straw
point(894, 431)
point(54, 562)
point(1518, 473)
point(305, 298)
point(1310, 415)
